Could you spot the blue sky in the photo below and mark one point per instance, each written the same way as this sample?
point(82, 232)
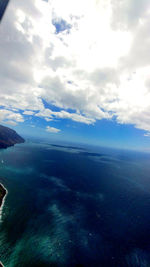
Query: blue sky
point(77, 71)
point(104, 132)
point(61, 25)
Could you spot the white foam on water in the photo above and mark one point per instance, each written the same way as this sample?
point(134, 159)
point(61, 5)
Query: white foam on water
point(3, 201)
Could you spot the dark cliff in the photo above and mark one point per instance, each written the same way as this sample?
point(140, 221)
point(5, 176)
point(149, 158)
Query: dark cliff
point(2, 194)
point(9, 137)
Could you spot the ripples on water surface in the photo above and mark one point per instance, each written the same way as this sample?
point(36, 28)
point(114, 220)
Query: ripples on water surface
point(68, 207)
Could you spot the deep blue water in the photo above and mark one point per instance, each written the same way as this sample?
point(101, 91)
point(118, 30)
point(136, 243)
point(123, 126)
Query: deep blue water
point(70, 207)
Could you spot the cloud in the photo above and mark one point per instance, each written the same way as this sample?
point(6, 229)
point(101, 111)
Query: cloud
point(28, 112)
point(73, 116)
point(10, 117)
point(50, 115)
point(128, 14)
point(12, 123)
point(52, 129)
point(48, 119)
point(91, 57)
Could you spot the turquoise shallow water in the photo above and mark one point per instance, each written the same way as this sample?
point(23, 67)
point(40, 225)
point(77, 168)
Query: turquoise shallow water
point(74, 207)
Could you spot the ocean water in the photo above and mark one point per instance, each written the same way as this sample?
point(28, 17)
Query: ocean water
point(72, 206)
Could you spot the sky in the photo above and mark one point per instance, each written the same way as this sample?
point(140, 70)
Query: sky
point(77, 70)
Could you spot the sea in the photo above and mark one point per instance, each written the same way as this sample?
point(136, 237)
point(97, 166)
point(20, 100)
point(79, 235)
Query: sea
point(74, 206)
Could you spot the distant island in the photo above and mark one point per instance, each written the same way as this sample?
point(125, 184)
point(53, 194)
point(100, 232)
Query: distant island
point(9, 137)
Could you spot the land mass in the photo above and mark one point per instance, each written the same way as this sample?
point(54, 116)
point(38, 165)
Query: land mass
point(2, 194)
point(9, 137)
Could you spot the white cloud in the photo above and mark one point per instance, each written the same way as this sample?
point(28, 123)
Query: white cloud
point(49, 115)
point(10, 117)
point(73, 116)
point(98, 67)
point(12, 123)
point(147, 134)
point(52, 129)
point(48, 119)
point(129, 13)
point(28, 112)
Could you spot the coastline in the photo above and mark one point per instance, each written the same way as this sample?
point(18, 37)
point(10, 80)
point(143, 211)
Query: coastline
point(3, 194)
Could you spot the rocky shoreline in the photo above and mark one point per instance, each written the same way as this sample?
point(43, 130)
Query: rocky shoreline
point(3, 193)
